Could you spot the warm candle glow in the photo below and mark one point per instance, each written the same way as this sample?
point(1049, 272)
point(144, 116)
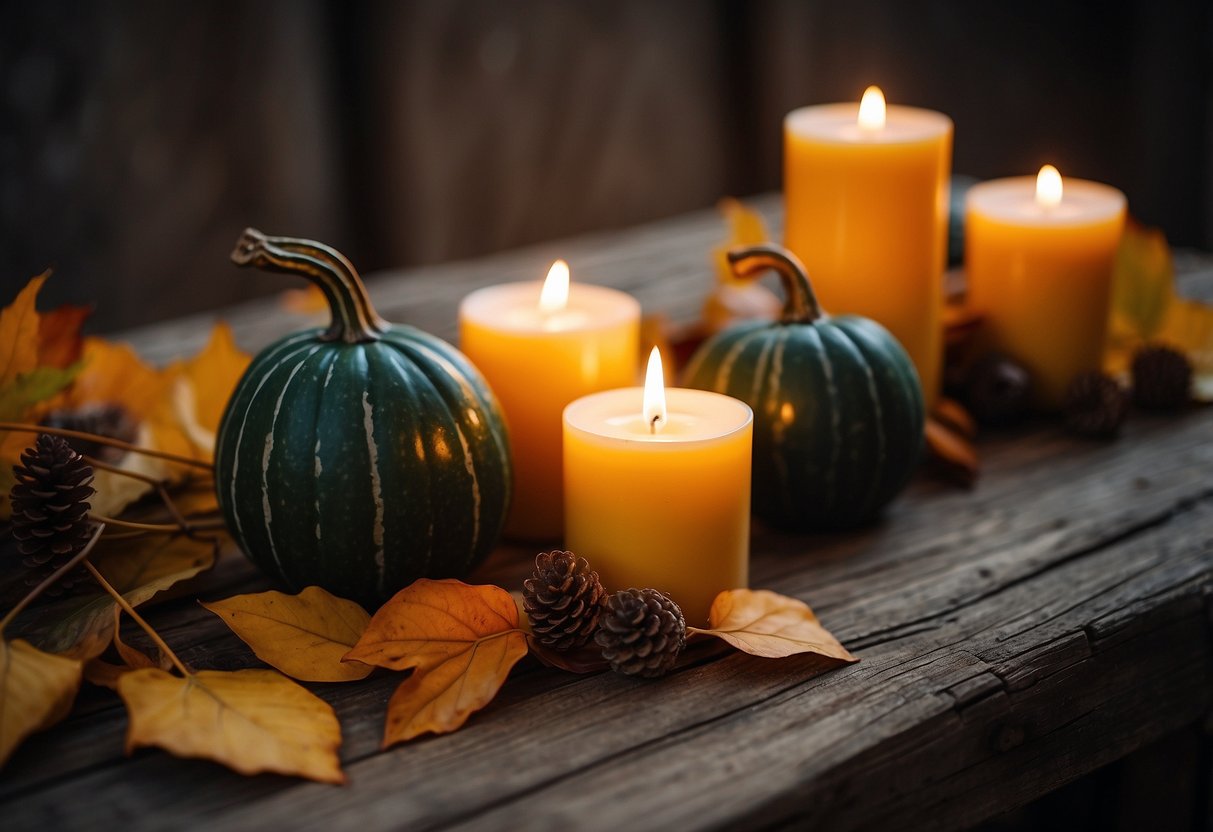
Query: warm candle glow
point(555, 294)
point(1048, 187)
point(654, 392)
point(871, 109)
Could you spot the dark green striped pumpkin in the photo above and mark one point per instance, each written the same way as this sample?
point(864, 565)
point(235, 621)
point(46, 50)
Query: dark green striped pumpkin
point(362, 456)
point(838, 410)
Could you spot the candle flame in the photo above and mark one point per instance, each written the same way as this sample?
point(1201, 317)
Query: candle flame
point(654, 392)
point(1048, 187)
point(871, 109)
point(555, 294)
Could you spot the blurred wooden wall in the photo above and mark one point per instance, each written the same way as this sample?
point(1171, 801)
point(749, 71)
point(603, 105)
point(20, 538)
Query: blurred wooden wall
point(137, 138)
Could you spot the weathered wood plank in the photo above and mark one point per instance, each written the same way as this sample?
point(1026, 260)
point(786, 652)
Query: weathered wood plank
point(1059, 604)
point(934, 559)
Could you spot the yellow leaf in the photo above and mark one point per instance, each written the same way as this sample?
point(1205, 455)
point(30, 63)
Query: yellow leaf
point(1142, 283)
point(460, 641)
point(732, 298)
point(212, 375)
point(309, 300)
point(1189, 327)
point(765, 623)
point(302, 635)
point(248, 720)
point(82, 626)
point(104, 674)
point(36, 691)
point(135, 659)
point(19, 333)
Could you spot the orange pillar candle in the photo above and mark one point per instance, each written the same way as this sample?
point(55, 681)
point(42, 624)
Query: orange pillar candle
point(540, 346)
point(1038, 260)
point(657, 490)
point(866, 190)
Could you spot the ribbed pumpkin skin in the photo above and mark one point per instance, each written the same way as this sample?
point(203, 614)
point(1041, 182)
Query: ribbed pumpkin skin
point(361, 467)
point(838, 415)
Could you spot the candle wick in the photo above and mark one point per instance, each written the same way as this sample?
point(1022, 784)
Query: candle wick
point(653, 424)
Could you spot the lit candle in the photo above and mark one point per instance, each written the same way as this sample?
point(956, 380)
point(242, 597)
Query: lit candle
point(866, 188)
point(1038, 260)
point(540, 347)
point(657, 489)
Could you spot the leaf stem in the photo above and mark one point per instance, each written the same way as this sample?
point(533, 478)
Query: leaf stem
point(147, 628)
point(53, 577)
point(19, 427)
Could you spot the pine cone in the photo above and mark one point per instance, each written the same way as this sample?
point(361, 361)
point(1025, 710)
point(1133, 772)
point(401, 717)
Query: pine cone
point(998, 390)
point(50, 509)
point(112, 420)
point(1162, 378)
point(563, 599)
point(641, 632)
point(1095, 405)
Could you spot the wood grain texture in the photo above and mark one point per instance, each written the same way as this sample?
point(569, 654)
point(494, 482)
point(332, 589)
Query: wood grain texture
point(1011, 639)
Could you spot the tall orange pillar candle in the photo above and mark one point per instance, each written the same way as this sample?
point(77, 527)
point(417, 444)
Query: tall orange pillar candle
point(540, 346)
point(866, 190)
point(1038, 260)
point(657, 490)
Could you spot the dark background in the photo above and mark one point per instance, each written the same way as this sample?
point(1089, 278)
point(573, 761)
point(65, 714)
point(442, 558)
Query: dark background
point(138, 138)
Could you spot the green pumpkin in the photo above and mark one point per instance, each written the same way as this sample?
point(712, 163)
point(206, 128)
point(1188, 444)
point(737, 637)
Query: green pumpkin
point(838, 409)
point(362, 456)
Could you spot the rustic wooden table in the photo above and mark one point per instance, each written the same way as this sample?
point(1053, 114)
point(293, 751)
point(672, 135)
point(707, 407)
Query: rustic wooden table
point(1012, 638)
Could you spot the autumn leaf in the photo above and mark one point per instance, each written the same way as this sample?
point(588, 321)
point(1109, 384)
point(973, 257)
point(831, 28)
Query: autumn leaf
point(304, 635)
point(765, 623)
point(36, 691)
point(104, 674)
point(1143, 281)
point(249, 720)
point(953, 452)
point(309, 300)
point(59, 341)
point(82, 626)
point(19, 333)
point(732, 298)
point(28, 389)
point(212, 375)
point(460, 641)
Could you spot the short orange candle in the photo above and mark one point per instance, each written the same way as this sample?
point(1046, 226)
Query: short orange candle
point(1038, 260)
point(866, 188)
point(657, 490)
point(540, 347)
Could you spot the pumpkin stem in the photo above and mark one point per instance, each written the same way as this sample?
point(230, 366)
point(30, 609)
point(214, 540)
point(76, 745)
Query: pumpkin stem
point(800, 306)
point(354, 319)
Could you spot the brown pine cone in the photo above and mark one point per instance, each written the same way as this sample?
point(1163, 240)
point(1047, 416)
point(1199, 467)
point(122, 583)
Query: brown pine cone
point(1095, 405)
point(112, 420)
point(563, 599)
point(1162, 378)
point(50, 509)
point(641, 632)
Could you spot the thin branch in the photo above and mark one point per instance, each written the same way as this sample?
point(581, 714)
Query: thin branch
point(147, 628)
point(53, 577)
point(19, 427)
point(166, 528)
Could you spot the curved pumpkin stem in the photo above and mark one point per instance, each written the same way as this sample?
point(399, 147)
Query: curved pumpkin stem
point(354, 318)
point(800, 306)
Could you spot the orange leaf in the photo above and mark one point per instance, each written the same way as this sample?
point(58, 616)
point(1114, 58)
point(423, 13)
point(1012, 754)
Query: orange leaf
point(19, 333)
point(302, 635)
point(460, 641)
point(954, 452)
point(59, 341)
point(36, 691)
point(306, 301)
point(765, 623)
point(248, 720)
point(212, 375)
